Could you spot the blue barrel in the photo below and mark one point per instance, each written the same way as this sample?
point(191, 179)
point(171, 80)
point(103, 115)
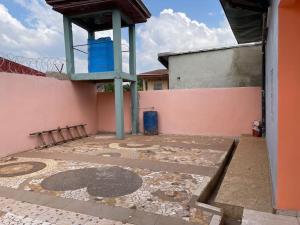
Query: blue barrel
point(101, 55)
point(151, 123)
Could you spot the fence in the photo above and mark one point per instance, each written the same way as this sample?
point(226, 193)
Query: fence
point(31, 66)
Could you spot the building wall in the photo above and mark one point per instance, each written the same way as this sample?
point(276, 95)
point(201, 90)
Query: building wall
point(30, 104)
point(272, 93)
point(150, 84)
point(235, 67)
point(288, 194)
point(213, 111)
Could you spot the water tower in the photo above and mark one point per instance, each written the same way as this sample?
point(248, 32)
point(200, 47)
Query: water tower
point(100, 15)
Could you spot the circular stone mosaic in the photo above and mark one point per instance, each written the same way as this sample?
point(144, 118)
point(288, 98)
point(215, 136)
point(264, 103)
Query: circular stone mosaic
point(133, 146)
point(101, 182)
point(20, 169)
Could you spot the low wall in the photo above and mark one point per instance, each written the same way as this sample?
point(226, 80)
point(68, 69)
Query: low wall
point(29, 104)
point(213, 111)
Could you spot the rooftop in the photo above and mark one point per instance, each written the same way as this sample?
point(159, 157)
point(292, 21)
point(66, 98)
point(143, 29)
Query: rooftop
point(155, 74)
point(9, 66)
point(246, 18)
point(164, 57)
point(86, 13)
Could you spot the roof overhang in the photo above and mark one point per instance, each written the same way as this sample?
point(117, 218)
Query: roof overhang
point(156, 74)
point(95, 15)
point(246, 18)
point(163, 58)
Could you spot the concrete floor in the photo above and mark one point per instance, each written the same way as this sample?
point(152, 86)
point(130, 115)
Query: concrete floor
point(247, 183)
point(99, 180)
point(252, 217)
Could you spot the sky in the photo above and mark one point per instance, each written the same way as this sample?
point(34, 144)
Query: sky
point(30, 28)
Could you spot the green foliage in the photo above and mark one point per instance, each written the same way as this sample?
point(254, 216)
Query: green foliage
point(140, 84)
point(111, 88)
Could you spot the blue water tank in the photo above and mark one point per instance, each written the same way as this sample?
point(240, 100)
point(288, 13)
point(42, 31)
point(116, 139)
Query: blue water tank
point(151, 123)
point(101, 55)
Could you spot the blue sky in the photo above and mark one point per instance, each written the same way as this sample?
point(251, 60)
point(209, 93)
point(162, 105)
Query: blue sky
point(15, 9)
point(32, 29)
point(209, 12)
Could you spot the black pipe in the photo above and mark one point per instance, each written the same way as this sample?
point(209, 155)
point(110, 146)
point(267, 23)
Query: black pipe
point(264, 42)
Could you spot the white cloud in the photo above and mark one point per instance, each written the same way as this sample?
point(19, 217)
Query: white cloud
point(175, 31)
point(15, 37)
point(41, 34)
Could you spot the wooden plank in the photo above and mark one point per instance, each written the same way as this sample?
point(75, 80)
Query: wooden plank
point(70, 133)
point(61, 134)
point(84, 130)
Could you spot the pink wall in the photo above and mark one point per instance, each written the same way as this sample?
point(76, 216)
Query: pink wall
point(106, 112)
point(219, 111)
point(29, 104)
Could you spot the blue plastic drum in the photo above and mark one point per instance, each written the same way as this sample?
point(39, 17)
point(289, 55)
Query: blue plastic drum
point(151, 123)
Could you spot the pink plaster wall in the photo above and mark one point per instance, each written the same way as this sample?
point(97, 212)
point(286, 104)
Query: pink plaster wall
point(106, 112)
point(29, 104)
point(212, 111)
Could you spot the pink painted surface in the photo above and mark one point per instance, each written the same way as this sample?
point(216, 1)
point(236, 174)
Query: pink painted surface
point(106, 112)
point(219, 111)
point(29, 104)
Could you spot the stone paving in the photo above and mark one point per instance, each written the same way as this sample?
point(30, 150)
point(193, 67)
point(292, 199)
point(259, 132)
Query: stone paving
point(191, 150)
point(152, 179)
point(16, 212)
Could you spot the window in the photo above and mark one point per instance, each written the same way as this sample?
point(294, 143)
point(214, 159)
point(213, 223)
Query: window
point(158, 85)
point(146, 85)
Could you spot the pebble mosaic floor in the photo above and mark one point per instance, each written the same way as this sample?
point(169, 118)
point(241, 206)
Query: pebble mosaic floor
point(190, 150)
point(156, 192)
point(22, 213)
point(159, 192)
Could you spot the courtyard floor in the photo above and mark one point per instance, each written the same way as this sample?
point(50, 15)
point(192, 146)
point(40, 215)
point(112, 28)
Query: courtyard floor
point(141, 180)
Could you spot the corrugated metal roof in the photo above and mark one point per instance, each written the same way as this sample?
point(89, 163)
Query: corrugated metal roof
point(246, 18)
point(13, 67)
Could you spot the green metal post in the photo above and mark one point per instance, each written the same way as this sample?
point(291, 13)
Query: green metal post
point(117, 41)
point(69, 46)
point(119, 104)
point(133, 85)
